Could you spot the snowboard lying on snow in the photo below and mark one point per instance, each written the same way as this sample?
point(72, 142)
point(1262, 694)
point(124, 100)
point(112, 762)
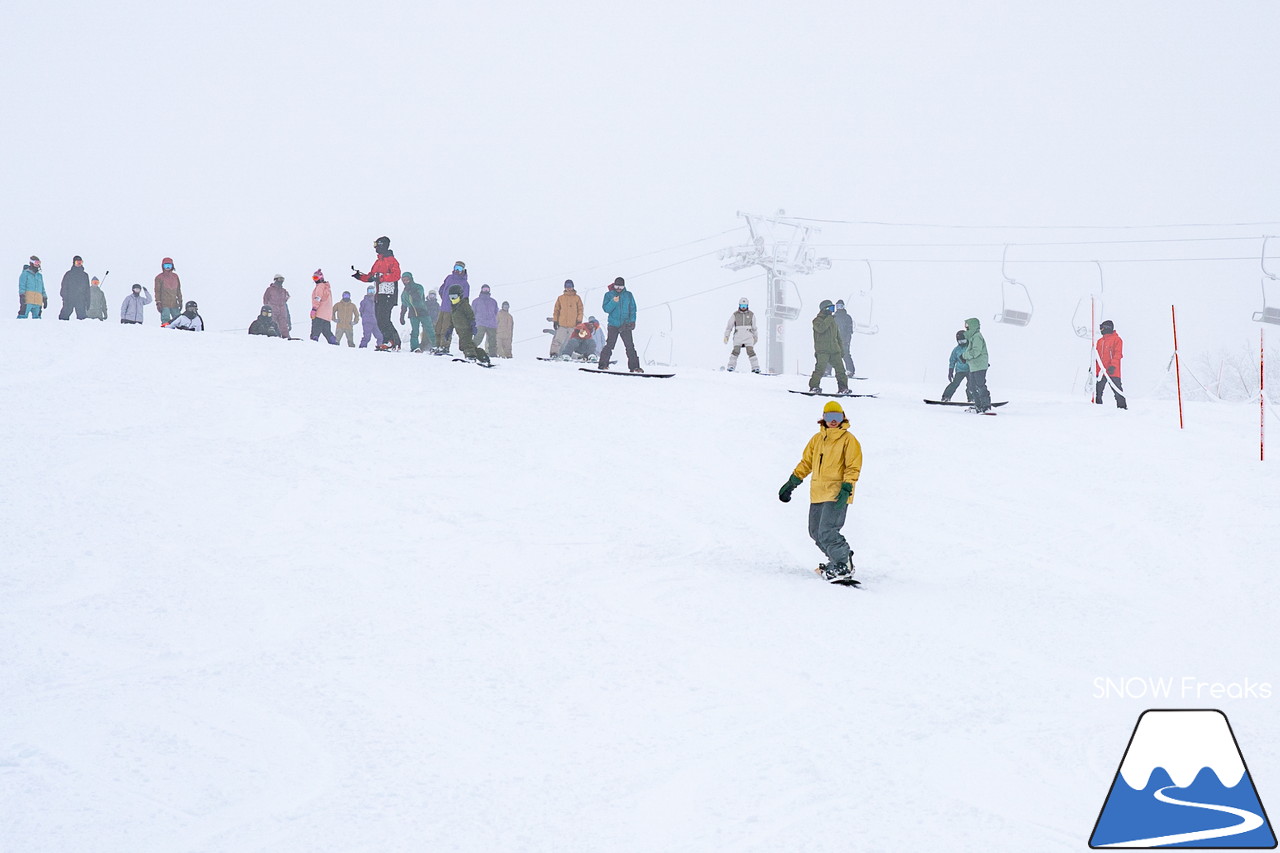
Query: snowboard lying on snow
point(628, 373)
point(830, 394)
point(958, 403)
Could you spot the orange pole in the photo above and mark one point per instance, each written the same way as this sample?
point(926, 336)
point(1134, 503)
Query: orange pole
point(1177, 365)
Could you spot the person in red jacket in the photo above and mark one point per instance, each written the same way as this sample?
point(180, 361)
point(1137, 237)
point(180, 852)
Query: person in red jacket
point(1110, 351)
point(385, 276)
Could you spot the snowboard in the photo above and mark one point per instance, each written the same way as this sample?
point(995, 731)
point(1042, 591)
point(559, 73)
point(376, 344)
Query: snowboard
point(568, 361)
point(831, 394)
point(853, 582)
point(628, 373)
point(958, 403)
point(477, 363)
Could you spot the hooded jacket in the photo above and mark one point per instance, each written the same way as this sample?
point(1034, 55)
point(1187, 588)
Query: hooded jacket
point(486, 308)
point(568, 309)
point(97, 303)
point(168, 287)
point(322, 301)
point(958, 364)
point(264, 326)
point(463, 315)
point(844, 325)
point(131, 308)
point(826, 337)
point(75, 286)
point(621, 312)
point(31, 286)
point(506, 328)
point(188, 322)
point(346, 314)
point(975, 352)
point(742, 325)
point(458, 278)
point(415, 298)
point(277, 297)
point(368, 312)
point(1110, 350)
point(385, 276)
point(834, 457)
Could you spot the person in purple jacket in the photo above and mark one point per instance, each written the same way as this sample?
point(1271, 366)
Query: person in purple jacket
point(486, 308)
point(369, 319)
point(444, 321)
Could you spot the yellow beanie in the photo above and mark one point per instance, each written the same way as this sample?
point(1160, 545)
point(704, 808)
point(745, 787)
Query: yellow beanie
point(833, 406)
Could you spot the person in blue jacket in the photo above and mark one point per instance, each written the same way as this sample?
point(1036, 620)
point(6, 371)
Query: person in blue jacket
point(32, 298)
point(620, 305)
point(957, 370)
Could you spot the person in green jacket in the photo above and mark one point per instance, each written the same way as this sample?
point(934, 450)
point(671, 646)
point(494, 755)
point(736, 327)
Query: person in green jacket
point(827, 349)
point(975, 356)
point(421, 335)
point(464, 323)
point(97, 300)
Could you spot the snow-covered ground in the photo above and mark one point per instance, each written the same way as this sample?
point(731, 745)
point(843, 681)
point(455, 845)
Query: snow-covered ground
point(267, 596)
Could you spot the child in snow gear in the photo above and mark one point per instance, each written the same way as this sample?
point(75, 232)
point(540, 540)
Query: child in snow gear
point(565, 316)
point(32, 299)
point(385, 275)
point(131, 308)
point(742, 326)
point(444, 320)
point(844, 324)
point(369, 319)
point(189, 320)
point(834, 457)
point(168, 292)
point(957, 370)
point(1110, 350)
point(264, 324)
point(321, 309)
point(97, 300)
point(75, 291)
point(346, 315)
point(506, 330)
point(415, 306)
point(827, 350)
point(975, 358)
point(464, 320)
point(620, 305)
point(486, 310)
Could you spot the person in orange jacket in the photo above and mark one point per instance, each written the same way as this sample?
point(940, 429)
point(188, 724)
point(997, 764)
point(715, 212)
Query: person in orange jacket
point(1110, 350)
point(834, 457)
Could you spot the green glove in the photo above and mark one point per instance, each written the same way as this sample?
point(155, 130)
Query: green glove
point(846, 489)
point(784, 494)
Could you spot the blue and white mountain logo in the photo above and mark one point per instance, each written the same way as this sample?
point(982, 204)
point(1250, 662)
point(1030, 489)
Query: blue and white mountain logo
point(1183, 783)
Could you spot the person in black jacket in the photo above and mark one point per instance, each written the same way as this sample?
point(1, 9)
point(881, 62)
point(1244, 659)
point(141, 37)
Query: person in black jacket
point(844, 325)
point(75, 291)
point(265, 325)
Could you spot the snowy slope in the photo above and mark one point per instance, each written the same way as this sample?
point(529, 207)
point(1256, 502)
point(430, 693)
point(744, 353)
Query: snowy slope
point(266, 596)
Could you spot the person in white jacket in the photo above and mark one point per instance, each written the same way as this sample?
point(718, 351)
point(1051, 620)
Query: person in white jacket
point(131, 308)
point(189, 320)
point(742, 328)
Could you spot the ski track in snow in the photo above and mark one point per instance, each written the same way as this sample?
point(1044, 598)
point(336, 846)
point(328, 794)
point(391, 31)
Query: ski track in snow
point(261, 597)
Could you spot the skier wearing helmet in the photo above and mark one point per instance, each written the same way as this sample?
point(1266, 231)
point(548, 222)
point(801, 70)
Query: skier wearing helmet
point(742, 327)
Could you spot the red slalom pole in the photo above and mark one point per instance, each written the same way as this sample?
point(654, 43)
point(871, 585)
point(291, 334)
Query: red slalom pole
point(1177, 365)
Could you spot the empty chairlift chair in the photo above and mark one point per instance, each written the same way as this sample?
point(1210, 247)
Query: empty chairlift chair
point(1093, 302)
point(862, 309)
point(1270, 312)
point(1018, 314)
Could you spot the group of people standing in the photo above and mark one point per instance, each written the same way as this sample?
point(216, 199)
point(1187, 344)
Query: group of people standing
point(572, 337)
point(83, 296)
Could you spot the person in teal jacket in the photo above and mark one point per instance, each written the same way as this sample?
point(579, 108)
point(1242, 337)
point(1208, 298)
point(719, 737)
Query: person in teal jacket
point(414, 304)
point(975, 358)
point(620, 305)
point(957, 370)
point(32, 298)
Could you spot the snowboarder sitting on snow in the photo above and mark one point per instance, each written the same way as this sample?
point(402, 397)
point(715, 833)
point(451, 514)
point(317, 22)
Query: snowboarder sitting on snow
point(827, 351)
point(265, 325)
point(464, 321)
point(189, 320)
point(1110, 351)
point(957, 370)
point(975, 358)
point(834, 457)
point(581, 343)
point(742, 326)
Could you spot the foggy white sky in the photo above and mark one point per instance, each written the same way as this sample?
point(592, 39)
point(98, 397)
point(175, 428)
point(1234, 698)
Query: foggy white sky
point(540, 141)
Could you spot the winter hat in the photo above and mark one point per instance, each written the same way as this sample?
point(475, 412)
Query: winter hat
point(35, 262)
point(266, 309)
point(506, 305)
point(484, 288)
point(1107, 327)
point(137, 286)
point(95, 280)
point(618, 282)
point(455, 288)
point(592, 320)
point(317, 276)
point(369, 289)
point(825, 304)
point(961, 337)
point(568, 284)
point(168, 261)
point(346, 294)
point(431, 293)
point(276, 278)
point(77, 258)
point(831, 407)
point(406, 277)
point(839, 303)
point(382, 243)
point(459, 266)
point(742, 300)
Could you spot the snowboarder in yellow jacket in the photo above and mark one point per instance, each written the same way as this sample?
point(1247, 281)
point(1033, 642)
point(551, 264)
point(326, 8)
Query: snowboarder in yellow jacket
point(834, 457)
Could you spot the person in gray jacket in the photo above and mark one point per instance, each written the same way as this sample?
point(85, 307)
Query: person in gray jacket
point(844, 325)
point(742, 328)
point(131, 308)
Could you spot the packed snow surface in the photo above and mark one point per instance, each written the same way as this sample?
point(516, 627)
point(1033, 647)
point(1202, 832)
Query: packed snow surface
point(270, 596)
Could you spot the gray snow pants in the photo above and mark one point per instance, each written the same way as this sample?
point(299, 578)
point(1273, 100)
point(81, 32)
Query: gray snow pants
point(825, 521)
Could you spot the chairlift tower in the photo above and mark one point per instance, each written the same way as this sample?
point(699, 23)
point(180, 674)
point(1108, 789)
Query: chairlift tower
point(781, 246)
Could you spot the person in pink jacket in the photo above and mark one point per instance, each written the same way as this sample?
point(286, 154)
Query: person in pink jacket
point(321, 309)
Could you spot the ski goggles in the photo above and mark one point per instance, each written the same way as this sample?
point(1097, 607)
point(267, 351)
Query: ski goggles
point(459, 268)
point(833, 418)
point(455, 299)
